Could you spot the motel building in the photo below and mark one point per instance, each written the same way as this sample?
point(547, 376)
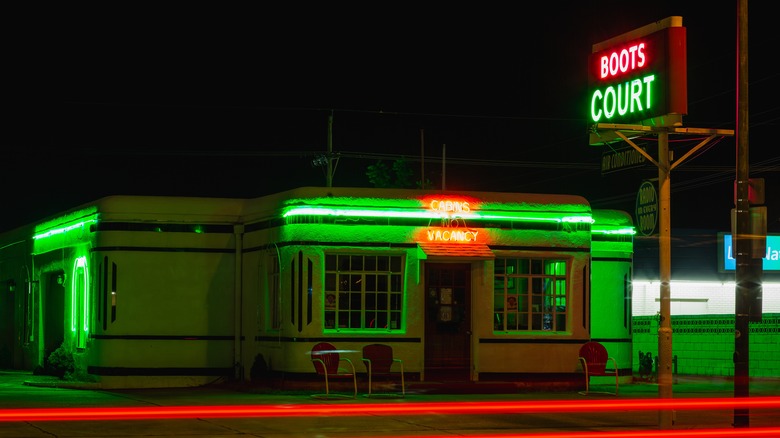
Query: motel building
point(175, 291)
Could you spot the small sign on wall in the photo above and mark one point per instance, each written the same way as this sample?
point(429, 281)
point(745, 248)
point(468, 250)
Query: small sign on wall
point(646, 208)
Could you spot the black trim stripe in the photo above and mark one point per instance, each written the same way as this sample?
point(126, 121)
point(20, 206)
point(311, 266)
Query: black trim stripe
point(369, 339)
point(585, 299)
point(612, 259)
point(158, 227)
point(539, 248)
point(612, 340)
point(549, 341)
point(405, 245)
point(622, 238)
point(162, 249)
point(162, 337)
point(299, 287)
point(531, 341)
point(168, 371)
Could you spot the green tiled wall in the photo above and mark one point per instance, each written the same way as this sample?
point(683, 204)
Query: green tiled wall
point(704, 344)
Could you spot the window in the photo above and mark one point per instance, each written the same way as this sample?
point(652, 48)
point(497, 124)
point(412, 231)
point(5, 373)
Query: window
point(79, 318)
point(529, 295)
point(363, 292)
point(274, 292)
point(29, 312)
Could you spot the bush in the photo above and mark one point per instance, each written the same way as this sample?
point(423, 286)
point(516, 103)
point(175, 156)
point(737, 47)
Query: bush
point(60, 363)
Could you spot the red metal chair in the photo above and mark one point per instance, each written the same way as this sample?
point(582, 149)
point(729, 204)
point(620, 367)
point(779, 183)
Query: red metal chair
point(329, 364)
point(594, 360)
point(379, 361)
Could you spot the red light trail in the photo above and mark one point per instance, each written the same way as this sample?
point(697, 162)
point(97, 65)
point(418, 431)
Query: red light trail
point(405, 408)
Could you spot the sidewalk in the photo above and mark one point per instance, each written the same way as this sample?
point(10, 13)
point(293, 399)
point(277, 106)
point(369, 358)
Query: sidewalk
point(682, 386)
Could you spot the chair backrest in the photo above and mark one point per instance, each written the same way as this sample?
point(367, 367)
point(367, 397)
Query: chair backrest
point(327, 353)
point(381, 357)
point(595, 356)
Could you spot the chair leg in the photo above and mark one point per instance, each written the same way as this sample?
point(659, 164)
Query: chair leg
point(369, 379)
point(587, 384)
point(617, 384)
point(327, 389)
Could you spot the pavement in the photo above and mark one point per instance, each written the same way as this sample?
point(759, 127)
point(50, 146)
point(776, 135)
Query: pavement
point(425, 410)
point(682, 386)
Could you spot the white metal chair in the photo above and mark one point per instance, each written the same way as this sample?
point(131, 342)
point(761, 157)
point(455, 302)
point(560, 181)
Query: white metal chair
point(329, 364)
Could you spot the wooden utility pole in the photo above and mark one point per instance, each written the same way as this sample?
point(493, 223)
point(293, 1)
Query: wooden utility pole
point(742, 237)
point(422, 159)
point(665, 167)
point(329, 176)
point(666, 416)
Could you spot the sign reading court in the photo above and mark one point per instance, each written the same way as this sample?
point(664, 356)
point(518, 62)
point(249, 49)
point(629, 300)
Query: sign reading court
point(639, 75)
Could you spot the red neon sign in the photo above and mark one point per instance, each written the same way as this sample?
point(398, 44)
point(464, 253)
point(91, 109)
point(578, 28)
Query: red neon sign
point(622, 61)
point(451, 235)
point(450, 206)
point(453, 227)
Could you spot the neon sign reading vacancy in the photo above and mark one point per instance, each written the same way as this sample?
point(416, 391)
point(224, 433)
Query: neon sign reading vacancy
point(638, 76)
point(448, 235)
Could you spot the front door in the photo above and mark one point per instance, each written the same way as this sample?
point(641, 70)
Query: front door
point(448, 322)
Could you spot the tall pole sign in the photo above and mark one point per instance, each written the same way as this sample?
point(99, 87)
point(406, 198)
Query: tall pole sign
point(639, 78)
point(638, 87)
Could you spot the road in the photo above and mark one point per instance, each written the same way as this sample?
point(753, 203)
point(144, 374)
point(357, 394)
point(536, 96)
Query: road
point(219, 411)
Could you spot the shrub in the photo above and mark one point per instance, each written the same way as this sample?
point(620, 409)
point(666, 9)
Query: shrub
point(60, 363)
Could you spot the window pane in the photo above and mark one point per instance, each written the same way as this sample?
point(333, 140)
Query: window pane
point(382, 284)
point(330, 262)
point(523, 266)
point(357, 263)
point(343, 263)
point(395, 264)
point(330, 282)
point(396, 283)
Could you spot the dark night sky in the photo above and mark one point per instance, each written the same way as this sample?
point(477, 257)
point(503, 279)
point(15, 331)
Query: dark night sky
point(234, 101)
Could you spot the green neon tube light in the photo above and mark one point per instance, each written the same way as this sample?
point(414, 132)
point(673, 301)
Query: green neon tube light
point(432, 214)
point(630, 231)
point(65, 229)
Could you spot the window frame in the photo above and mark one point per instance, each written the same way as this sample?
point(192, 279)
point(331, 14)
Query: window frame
point(531, 295)
point(363, 292)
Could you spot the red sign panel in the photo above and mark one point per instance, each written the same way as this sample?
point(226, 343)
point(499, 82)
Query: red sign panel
point(639, 79)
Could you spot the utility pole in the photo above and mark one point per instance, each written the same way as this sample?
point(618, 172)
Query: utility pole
point(329, 176)
point(422, 159)
point(747, 299)
point(665, 167)
point(444, 167)
point(666, 416)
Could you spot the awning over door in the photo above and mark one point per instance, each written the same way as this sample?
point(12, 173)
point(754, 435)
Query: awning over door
point(461, 250)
